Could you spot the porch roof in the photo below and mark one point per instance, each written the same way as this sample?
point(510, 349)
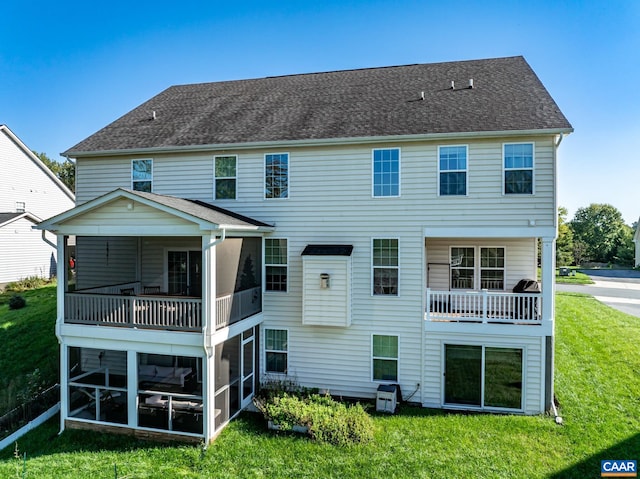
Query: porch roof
point(204, 216)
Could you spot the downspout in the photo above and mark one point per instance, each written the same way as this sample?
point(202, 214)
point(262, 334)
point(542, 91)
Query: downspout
point(207, 337)
point(559, 140)
point(50, 243)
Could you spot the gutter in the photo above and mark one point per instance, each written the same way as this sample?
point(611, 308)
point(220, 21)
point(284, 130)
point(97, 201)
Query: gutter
point(318, 142)
point(205, 327)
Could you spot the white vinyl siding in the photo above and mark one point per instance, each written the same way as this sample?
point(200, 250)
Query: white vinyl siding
point(23, 253)
point(343, 211)
point(27, 184)
point(330, 306)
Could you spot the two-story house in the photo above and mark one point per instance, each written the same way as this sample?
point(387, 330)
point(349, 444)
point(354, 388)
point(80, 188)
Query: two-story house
point(29, 192)
point(343, 230)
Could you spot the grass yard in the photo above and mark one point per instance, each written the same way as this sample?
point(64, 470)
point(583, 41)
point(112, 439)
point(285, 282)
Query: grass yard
point(576, 278)
point(28, 342)
point(597, 384)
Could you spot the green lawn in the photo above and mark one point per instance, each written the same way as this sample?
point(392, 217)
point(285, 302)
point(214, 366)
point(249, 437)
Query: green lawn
point(28, 341)
point(576, 278)
point(597, 384)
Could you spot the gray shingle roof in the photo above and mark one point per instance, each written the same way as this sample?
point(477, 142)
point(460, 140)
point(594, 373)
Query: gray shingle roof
point(201, 209)
point(507, 95)
point(6, 217)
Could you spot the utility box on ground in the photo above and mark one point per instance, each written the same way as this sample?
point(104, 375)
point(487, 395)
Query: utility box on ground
point(387, 398)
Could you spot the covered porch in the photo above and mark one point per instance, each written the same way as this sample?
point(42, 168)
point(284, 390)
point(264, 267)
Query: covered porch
point(146, 261)
point(489, 276)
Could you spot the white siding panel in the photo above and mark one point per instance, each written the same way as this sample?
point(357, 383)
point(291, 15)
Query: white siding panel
point(329, 306)
point(23, 253)
point(330, 202)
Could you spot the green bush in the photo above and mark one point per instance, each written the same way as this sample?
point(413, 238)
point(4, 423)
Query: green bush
point(327, 420)
point(32, 282)
point(17, 302)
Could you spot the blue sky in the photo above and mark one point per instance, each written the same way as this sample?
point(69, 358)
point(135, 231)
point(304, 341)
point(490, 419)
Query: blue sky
point(69, 68)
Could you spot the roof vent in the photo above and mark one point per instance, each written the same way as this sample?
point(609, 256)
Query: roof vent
point(422, 95)
point(453, 85)
point(153, 115)
point(470, 82)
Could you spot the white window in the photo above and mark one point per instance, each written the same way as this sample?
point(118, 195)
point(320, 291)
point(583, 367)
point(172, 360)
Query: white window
point(452, 170)
point(385, 358)
point(385, 264)
point(518, 168)
point(21, 207)
point(276, 264)
point(276, 175)
point(225, 177)
point(492, 268)
point(462, 267)
point(276, 348)
point(386, 172)
point(142, 175)
point(467, 265)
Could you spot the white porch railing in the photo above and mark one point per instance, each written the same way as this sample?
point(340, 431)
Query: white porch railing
point(156, 312)
point(484, 307)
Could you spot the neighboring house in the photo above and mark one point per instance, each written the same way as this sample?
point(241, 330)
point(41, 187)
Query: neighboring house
point(369, 227)
point(636, 240)
point(29, 193)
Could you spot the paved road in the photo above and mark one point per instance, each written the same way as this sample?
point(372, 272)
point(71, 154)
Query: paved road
point(619, 289)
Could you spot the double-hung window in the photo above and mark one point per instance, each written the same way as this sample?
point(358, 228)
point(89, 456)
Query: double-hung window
point(276, 264)
point(518, 169)
point(276, 175)
point(452, 167)
point(276, 347)
point(492, 268)
point(385, 266)
point(385, 358)
point(386, 172)
point(463, 268)
point(142, 175)
point(225, 177)
point(467, 265)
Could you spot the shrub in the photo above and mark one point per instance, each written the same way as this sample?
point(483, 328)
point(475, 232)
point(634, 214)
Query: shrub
point(17, 302)
point(32, 282)
point(327, 420)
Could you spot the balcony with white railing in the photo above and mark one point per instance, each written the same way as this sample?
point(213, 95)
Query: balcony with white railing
point(491, 307)
point(109, 306)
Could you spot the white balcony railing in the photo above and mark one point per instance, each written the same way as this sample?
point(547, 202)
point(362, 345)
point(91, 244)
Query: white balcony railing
point(157, 312)
point(484, 307)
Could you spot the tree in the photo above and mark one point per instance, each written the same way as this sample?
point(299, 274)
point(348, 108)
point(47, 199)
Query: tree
point(602, 230)
point(564, 243)
point(66, 171)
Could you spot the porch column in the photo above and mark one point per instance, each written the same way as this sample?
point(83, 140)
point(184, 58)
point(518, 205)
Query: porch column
point(209, 327)
point(548, 314)
point(548, 278)
point(61, 288)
